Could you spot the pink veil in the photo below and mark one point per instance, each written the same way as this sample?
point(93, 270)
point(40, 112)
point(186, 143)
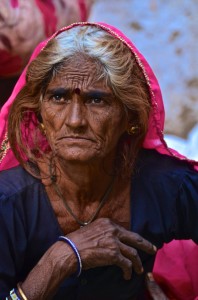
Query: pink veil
point(154, 138)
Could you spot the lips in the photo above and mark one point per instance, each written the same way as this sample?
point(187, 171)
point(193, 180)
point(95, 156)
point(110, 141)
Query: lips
point(76, 137)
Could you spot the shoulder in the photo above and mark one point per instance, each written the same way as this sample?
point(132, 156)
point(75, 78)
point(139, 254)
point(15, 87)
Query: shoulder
point(164, 197)
point(22, 201)
point(153, 165)
point(15, 180)
point(164, 181)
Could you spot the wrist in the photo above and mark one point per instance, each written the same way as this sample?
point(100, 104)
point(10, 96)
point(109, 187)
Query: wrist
point(57, 264)
point(69, 242)
point(63, 259)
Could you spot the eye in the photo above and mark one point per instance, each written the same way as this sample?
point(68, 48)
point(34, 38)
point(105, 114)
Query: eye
point(95, 101)
point(58, 95)
point(59, 98)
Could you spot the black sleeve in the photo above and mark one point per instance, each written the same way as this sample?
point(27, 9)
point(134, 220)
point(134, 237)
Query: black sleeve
point(187, 208)
point(12, 245)
point(164, 199)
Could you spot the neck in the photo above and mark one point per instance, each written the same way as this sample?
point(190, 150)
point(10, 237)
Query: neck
point(82, 183)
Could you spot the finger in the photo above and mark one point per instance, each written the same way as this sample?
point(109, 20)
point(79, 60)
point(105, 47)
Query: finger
point(154, 289)
point(114, 257)
point(135, 240)
point(126, 265)
point(133, 256)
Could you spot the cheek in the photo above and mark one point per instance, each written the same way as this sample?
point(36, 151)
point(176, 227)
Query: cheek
point(52, 122)
point(114, 132)
point(52, 119)
point(99, 123)
point(117, 127)
point(109, 126)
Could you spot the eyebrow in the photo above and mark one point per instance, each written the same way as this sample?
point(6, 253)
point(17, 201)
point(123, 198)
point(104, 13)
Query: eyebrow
point(97, 94)
point(60, 91)
point(89, 94)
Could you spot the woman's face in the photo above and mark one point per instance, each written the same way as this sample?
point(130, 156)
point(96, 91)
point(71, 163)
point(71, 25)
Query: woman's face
point(82, 118)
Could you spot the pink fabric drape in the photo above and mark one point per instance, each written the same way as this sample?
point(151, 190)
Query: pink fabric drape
point(176, 270)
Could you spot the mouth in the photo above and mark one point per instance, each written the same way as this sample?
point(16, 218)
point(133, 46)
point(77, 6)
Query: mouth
point(76, 138)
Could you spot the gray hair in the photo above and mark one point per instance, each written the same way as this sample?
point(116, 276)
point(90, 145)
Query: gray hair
point(119, 66)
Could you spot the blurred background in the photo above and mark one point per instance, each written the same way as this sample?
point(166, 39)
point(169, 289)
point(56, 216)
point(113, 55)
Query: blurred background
point(164, 31)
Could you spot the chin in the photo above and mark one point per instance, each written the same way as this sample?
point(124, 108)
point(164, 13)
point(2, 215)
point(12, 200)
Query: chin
point(81, 157)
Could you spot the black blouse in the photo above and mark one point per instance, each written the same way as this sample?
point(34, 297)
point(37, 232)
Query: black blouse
point(164, 206)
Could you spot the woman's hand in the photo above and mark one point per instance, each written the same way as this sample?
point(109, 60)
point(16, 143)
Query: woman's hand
point(154, 290)
point(103, 243)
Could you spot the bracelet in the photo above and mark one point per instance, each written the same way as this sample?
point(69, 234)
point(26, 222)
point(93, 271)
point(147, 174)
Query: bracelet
point(13, 295)
point(21, 292)
point(73, 246)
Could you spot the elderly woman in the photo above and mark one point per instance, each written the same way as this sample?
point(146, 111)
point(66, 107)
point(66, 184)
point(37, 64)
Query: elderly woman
point(97, 189)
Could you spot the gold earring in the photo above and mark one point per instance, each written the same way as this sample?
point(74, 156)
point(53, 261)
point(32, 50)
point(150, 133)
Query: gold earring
point(132, 130)
point(42, 128)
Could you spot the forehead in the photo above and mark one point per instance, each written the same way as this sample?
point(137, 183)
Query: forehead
point(79, 71)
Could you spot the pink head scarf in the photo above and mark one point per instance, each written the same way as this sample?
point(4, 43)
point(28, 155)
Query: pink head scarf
point(154, 138)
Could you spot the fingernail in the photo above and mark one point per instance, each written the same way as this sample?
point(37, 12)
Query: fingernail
point(142, 270)
point(154, 248)
point(150, 277)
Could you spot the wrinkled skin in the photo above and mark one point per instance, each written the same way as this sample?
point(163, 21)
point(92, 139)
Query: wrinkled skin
point(100, 243)
point(82, 118)
point(84, 123)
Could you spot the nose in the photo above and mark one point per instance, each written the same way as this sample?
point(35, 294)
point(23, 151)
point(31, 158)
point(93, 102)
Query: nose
point(76, 114)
